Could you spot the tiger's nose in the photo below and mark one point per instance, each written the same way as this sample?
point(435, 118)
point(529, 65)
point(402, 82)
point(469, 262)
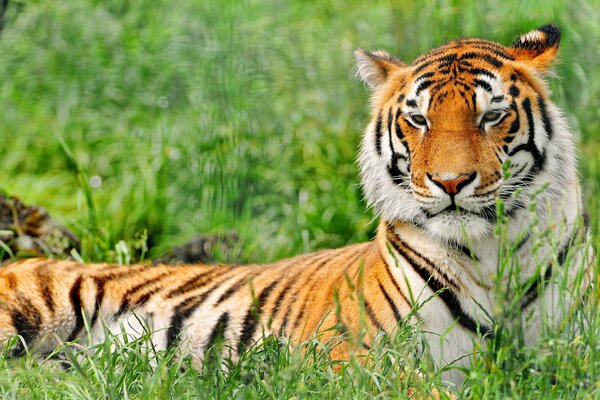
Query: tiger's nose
point(452, 185)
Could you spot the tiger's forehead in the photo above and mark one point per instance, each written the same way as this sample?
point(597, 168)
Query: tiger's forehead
point(461, 55)
point(473, 69)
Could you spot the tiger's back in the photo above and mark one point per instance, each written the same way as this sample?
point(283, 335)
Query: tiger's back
point(196, 304)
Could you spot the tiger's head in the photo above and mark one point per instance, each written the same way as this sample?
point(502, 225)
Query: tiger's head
point(443, 127)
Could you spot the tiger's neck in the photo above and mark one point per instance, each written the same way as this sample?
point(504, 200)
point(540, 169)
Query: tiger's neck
point(473, 276)
point(532, 235)
point(467, 281)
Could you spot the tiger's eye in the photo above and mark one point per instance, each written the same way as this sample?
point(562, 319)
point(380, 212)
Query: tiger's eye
point(418, 119)
point(491, 116)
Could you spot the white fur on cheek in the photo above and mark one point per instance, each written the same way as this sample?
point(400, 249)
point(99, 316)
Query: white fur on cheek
point(389, 200)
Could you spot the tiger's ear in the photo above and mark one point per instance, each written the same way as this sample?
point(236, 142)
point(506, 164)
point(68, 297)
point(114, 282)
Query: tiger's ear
point(538, 48)
point(374, 68)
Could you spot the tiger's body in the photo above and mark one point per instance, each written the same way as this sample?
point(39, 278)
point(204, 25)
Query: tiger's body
point(432, 167)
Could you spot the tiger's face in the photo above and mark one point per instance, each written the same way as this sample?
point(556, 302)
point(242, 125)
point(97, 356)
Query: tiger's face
point(445, 127)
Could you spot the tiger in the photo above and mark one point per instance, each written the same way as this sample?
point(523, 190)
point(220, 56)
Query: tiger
point(461, 130)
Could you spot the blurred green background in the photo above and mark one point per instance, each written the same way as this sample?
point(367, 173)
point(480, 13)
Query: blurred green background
point(211, 116)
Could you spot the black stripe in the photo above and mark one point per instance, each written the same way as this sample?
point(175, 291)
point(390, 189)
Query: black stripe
point(184, 310)
point(102, 281)
point(498, 156)
point(496, 51)
point(489, 46)
point(474, 100)
point(397, 314)
point(489, 213)
point(466, 100)
point(399, 133)
point(372, 317)
point(299, 317)
point(427, 261)
point(439, 86)
point(44, 280)
point(538, 157)
point(441, 97)
point(218, 332)
point(514, 91)
point(481, 71)
point(411, 103)
point(512, 209)
point(466, 251)
point(447, 295)
point(253, 316)
point(423, 65)
point(545, 117)
point(533, 291)
point(243, 281)
point(481, 56)
point(424, 76)
point(100, 286)
point(390, 119)
point(515, 125)
point(483, 84)
point(447, 60)
point(387, 269)
point(180, 314)
point(77, 305)
point(427, 61)
point(422, 86)
point(586, 220)
point(378, 133)
point(146, 296)
point(198, 299)
point(27, 320)
point(134, 290)
point(502, 120)
point(349, 262)
point(522, 242)
point(195, 282)
point(393, 169)
point(292, 305)
point(523, 146)
point(232, 289)
point(400, 98)
point(283, 293)
point(497, 99)
point(463, 84)
point(518, 172)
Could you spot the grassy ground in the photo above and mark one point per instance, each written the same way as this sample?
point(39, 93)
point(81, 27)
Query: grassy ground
point(211, 116)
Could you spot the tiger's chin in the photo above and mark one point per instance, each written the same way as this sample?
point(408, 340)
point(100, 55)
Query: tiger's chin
point(453, 227)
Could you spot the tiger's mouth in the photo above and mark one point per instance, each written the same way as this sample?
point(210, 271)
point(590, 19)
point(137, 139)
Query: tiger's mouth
point(453, 208)
point(455, 220)
point(485, 212)
point(461, 210)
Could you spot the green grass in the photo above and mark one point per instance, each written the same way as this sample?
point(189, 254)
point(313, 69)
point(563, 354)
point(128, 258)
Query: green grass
point(211, 116)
